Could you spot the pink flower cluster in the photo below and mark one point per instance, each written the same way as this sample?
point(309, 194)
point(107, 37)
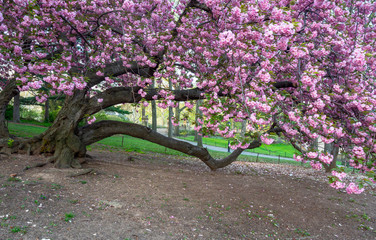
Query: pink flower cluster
point(226, 38)
point(352, 188)
point(316, 165)
point(340, 176)
point(359, 152)
point(267, 140)
point(326, 158)
point(338, 185)
point(91, 119)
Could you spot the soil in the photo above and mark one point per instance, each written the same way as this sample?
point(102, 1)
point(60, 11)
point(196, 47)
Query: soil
point(152, 196)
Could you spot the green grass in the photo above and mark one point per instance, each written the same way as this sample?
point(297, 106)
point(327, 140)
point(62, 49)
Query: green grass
point(22, 130)
point(131, 144)
point(27, 121)
point(273, 149)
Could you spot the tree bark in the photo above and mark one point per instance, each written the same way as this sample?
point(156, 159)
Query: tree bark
point(47, 111)
point(170, 114)
point(100, 130)
point(333, 150)
point(16, 108)
point(143, 116)
point(9, 91)
point(61, 138)
point(153, 112)
point(198, 137)
point(177, 116)
point(154, 115)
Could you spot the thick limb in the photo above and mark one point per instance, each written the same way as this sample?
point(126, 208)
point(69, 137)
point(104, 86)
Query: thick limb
point(97, 131)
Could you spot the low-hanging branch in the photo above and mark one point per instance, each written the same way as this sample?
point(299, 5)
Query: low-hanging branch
point(103, 129)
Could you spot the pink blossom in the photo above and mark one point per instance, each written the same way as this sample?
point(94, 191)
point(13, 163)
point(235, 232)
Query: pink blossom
point(319, 104)
point(359, 152)
point(316, 165)
point(266, 140)
point(142, 93)
point(41, 99)
point(91, 119)
point(264, 4)
point(312, 154)
point(226, 38)
point(298, 158)
point(188, 105)
point(340, 176)
point(17, 50)
point(337, 185)
point(100, 100)
point(352, 188)
point(326, 158)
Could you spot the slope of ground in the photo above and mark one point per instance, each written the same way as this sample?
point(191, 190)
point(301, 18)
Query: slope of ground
point(167, 197)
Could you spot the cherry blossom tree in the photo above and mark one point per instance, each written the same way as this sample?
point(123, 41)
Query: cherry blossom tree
point(304, 70)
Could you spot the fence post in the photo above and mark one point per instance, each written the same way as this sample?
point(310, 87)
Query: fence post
point(257, 157)
point(122, 141)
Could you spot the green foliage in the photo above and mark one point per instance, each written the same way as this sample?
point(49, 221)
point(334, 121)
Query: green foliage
point(52, 115)
point(30, 114)
point(17, 229)
point(10, 142)
point(14, 179)
point(302, 232)
point(69, 217)
point(118, 110)
point(29, 101)
point(9, 112)
point(101, 116)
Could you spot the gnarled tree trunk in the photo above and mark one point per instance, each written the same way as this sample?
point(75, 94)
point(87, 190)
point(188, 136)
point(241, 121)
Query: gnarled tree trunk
point(61, 138)
point(9, 91)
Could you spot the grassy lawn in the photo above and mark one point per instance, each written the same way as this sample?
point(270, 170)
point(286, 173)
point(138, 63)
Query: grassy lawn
point(25, 130)
point(284, 150)
point(131, 144)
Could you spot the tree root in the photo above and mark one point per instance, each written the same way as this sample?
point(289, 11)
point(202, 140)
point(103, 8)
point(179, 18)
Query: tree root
point(35, 165)
point(82, 172)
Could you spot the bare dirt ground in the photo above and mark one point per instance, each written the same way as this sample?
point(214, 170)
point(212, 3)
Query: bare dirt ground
point(163, 197)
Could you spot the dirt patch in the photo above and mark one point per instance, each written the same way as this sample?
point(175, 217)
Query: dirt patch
point(163, 197)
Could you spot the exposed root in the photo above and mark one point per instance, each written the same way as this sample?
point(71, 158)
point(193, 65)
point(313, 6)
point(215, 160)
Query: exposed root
point(35, 165)
point(82, 172)
point(4, 153)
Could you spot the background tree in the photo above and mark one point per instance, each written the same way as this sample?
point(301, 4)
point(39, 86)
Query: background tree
point(16, 108)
